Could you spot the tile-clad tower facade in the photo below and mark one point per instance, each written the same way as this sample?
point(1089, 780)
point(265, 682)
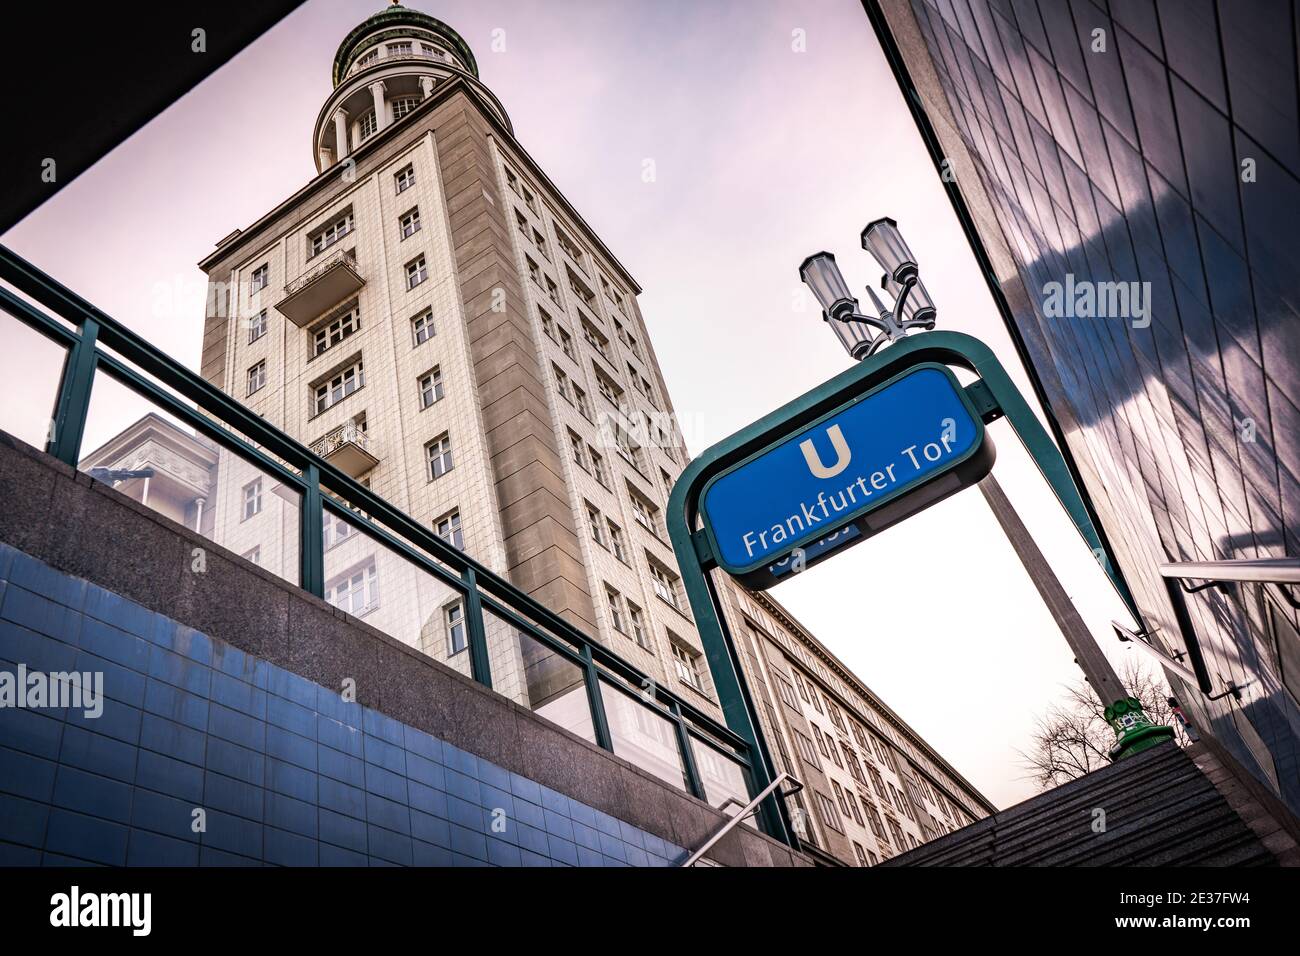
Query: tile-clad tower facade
point(1154, 145)
point(433, 316)
point(433, 310)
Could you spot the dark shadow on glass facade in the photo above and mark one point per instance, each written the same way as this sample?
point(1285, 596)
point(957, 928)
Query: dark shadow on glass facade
point(1132, 171)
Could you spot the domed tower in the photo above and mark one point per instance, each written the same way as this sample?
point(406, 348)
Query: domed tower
point(383, 70)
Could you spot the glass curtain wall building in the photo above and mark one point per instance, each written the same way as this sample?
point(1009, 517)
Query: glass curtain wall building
point(1129, 173)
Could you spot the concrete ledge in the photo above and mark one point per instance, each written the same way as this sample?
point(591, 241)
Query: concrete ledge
point(87, 529)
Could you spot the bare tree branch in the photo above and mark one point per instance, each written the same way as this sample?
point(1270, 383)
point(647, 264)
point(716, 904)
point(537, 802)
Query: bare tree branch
point(1073, 738)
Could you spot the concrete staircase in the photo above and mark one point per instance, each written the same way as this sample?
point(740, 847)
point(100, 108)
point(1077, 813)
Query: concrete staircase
point(1163, 807)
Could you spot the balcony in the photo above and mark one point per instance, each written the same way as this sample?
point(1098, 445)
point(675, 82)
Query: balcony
point(365, 63)
point(347, 448)
point(326, 284)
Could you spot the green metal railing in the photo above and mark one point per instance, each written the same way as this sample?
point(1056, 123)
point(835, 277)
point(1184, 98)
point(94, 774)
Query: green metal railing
point(95, 343)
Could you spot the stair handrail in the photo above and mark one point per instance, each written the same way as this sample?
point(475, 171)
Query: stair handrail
point(748, 810)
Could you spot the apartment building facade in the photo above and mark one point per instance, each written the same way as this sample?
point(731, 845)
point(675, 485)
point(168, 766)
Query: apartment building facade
point(873, 787)
point(433, 317)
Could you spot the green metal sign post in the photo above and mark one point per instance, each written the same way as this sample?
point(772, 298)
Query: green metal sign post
point(707, 499)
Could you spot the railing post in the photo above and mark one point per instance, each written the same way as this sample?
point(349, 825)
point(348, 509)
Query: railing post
point(311, 525)
point(595, 701)
point(74, 396)
point(479, 664)
point(694, 783)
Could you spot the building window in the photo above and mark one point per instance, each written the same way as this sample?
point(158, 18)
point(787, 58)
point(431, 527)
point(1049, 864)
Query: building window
point(261, 276)
point(405, 178)
point(595, 339)
point(617, 543)
point(540, 242)
point(874, 821)
point(369, 125)
point(256, 377)
point(338, 387)
point(454, 616)
point(855, 768)
point(665, 583)
point(255, 555)
point(548, 324)
point(257, 327)
point(410, 222)
point(645, 513)
point(575, 445)
point(826, 810)
point(615, 601)
point(561, 382)
point(530, 201)
point(786, 693)
point(852, 801)
point(667, 481)
point(252, 499)
point(448, 528)
point(860, 853)
point(580, 289)
point(686, 662)
point(329, 234)
point(569, 246)
point(355, 592)
point(805, 748)
point(566, 344)
point(605, 385)
point(369, 58)
point(422, 326)
point(598, 467)
point(336, 529)
point(403, 105)
point(617, 298)
point(336, 330)
point(399, 49)
point(430, 387)
point(895, 829)
point(636, 617)
point(877, 782)
point(512, 181)
point(416, 272)
point(553, 292)
point(596, 525)
point(583, 401)
point(438, 453)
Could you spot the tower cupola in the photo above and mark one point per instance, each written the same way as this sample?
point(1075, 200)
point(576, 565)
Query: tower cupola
point(383, 70)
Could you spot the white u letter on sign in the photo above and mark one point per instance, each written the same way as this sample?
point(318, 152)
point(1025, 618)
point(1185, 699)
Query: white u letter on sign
point(814, 459)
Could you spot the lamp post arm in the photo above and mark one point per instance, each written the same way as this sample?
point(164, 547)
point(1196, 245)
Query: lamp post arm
point(902, 299)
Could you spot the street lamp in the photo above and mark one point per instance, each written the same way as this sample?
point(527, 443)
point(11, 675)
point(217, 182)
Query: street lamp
point(863, 335)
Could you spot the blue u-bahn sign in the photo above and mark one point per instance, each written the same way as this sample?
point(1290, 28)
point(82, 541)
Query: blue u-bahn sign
point(872, 446)
point(870, 463)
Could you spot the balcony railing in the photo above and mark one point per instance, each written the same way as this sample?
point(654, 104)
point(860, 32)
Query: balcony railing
point(613, 695)
point(360, 65)
point(348, 448)
point(327, 283)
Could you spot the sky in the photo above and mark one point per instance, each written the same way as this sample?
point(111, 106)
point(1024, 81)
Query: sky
point(712, 144)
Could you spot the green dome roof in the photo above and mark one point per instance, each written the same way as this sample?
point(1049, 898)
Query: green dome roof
point(397, 16)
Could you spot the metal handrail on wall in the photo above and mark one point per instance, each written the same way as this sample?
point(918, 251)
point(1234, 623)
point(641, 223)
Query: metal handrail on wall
point(154, 375)
point(746, 811)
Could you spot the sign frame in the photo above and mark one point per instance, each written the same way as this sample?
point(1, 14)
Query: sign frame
point(971, 465)
point(993, 396)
